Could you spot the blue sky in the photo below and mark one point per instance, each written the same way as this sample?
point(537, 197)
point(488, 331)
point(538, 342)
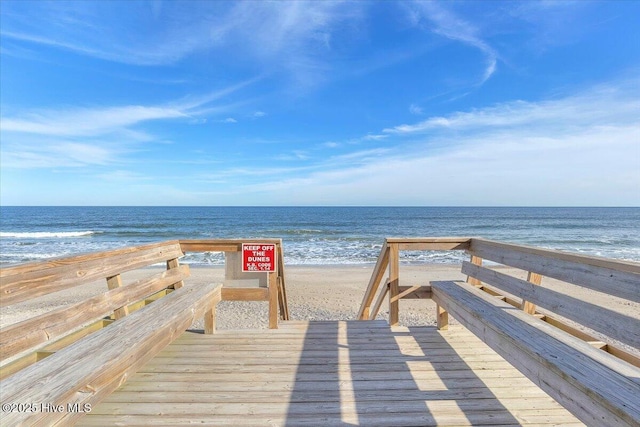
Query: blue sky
point(320, 103)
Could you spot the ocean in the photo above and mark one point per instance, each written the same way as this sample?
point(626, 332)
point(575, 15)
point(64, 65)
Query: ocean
point(314, 235)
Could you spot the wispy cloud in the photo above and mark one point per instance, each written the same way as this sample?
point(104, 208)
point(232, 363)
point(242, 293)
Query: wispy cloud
point(91, 121)
point(296, 155)
point(289, 36)
point(447, 24)
point(87, 121)
point(601, 106)
point(527, 145)
point(72, 137)
point(58, 154)
point(374, 137)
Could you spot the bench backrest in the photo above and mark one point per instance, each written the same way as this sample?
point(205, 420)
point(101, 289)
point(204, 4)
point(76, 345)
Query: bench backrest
point(618, 279)
point(84, 373)
point(25, 342)
point(31, 280)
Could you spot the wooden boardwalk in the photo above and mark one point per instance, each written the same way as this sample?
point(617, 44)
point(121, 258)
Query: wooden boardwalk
point(329, 373)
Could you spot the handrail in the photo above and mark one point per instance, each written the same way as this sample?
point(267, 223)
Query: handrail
point(388, 260)
point(374, 282)
point(589, 271)
point(276, 293)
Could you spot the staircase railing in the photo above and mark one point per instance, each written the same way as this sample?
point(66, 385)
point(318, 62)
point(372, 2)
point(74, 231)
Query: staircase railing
point(389, 261)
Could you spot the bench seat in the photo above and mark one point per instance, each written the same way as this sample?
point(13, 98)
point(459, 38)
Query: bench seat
point(80, 375)
point(597, 387)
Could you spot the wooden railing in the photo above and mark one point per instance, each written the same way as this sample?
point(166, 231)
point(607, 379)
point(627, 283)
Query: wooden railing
point(389, 261)
point(276, 291)
point(30, 340)
point(595, 273)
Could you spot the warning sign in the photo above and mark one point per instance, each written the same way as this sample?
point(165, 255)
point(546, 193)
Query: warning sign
point(258, 257)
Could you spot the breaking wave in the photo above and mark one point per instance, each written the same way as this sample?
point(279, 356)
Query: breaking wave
point(46, 234)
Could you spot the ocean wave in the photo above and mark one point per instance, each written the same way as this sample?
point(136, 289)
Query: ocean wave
point(45, 234)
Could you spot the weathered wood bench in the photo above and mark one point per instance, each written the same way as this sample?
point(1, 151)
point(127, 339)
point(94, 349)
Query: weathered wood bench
point(598, 381)
point(56, 366)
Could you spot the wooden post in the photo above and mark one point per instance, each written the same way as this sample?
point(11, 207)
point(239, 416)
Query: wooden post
point(442, 318)
point(114, 282)
point(273, 300)
point(394, 279)
point(174, 263)
point(472, 280)
point(527, 306)
point(210, 320)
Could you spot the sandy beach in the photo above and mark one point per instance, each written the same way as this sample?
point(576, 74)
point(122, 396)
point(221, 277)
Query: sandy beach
point(333, 292)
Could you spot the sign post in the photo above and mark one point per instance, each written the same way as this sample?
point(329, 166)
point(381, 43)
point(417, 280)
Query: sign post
point(258, 257)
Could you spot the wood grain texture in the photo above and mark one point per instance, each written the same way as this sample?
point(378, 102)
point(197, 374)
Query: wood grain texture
point(221, 245)
point(329, 373)
point(282, 284)
point(28, 281)
point(88, 370)
point(175, 263)
point(611, 323)
point(617, 278)
point(381, 297)
point(527, 306)
point(51, 326)
point(595, 386)
point(245, 294)
point(273, 300)
point(374, 283)
point(394, 283)
point(115, 282)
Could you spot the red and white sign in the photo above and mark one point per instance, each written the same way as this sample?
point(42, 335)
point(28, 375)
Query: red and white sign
point(258, 257)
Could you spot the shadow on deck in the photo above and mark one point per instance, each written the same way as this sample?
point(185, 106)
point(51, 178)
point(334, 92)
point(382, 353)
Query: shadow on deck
point(329, 373)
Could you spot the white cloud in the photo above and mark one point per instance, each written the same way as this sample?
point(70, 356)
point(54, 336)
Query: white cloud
point(229, 120)
point(86, 121)
point(603, 105)
point(281, 36)
point(296, 155)
point(258, 114)
point(72, 137)
point(451, 26)
point(58, 154)
point(374, 137)
point(578, 150)
point(579, 170)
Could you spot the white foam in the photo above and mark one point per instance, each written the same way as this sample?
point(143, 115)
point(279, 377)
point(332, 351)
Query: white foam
point(45, 234)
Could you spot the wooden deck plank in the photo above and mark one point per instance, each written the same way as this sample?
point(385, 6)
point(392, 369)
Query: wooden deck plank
point(326, 368)
point(311, 383)
point(330, 373)
point(386, 407)
point(469, 418)
point(594, 385)
point(186, 394)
